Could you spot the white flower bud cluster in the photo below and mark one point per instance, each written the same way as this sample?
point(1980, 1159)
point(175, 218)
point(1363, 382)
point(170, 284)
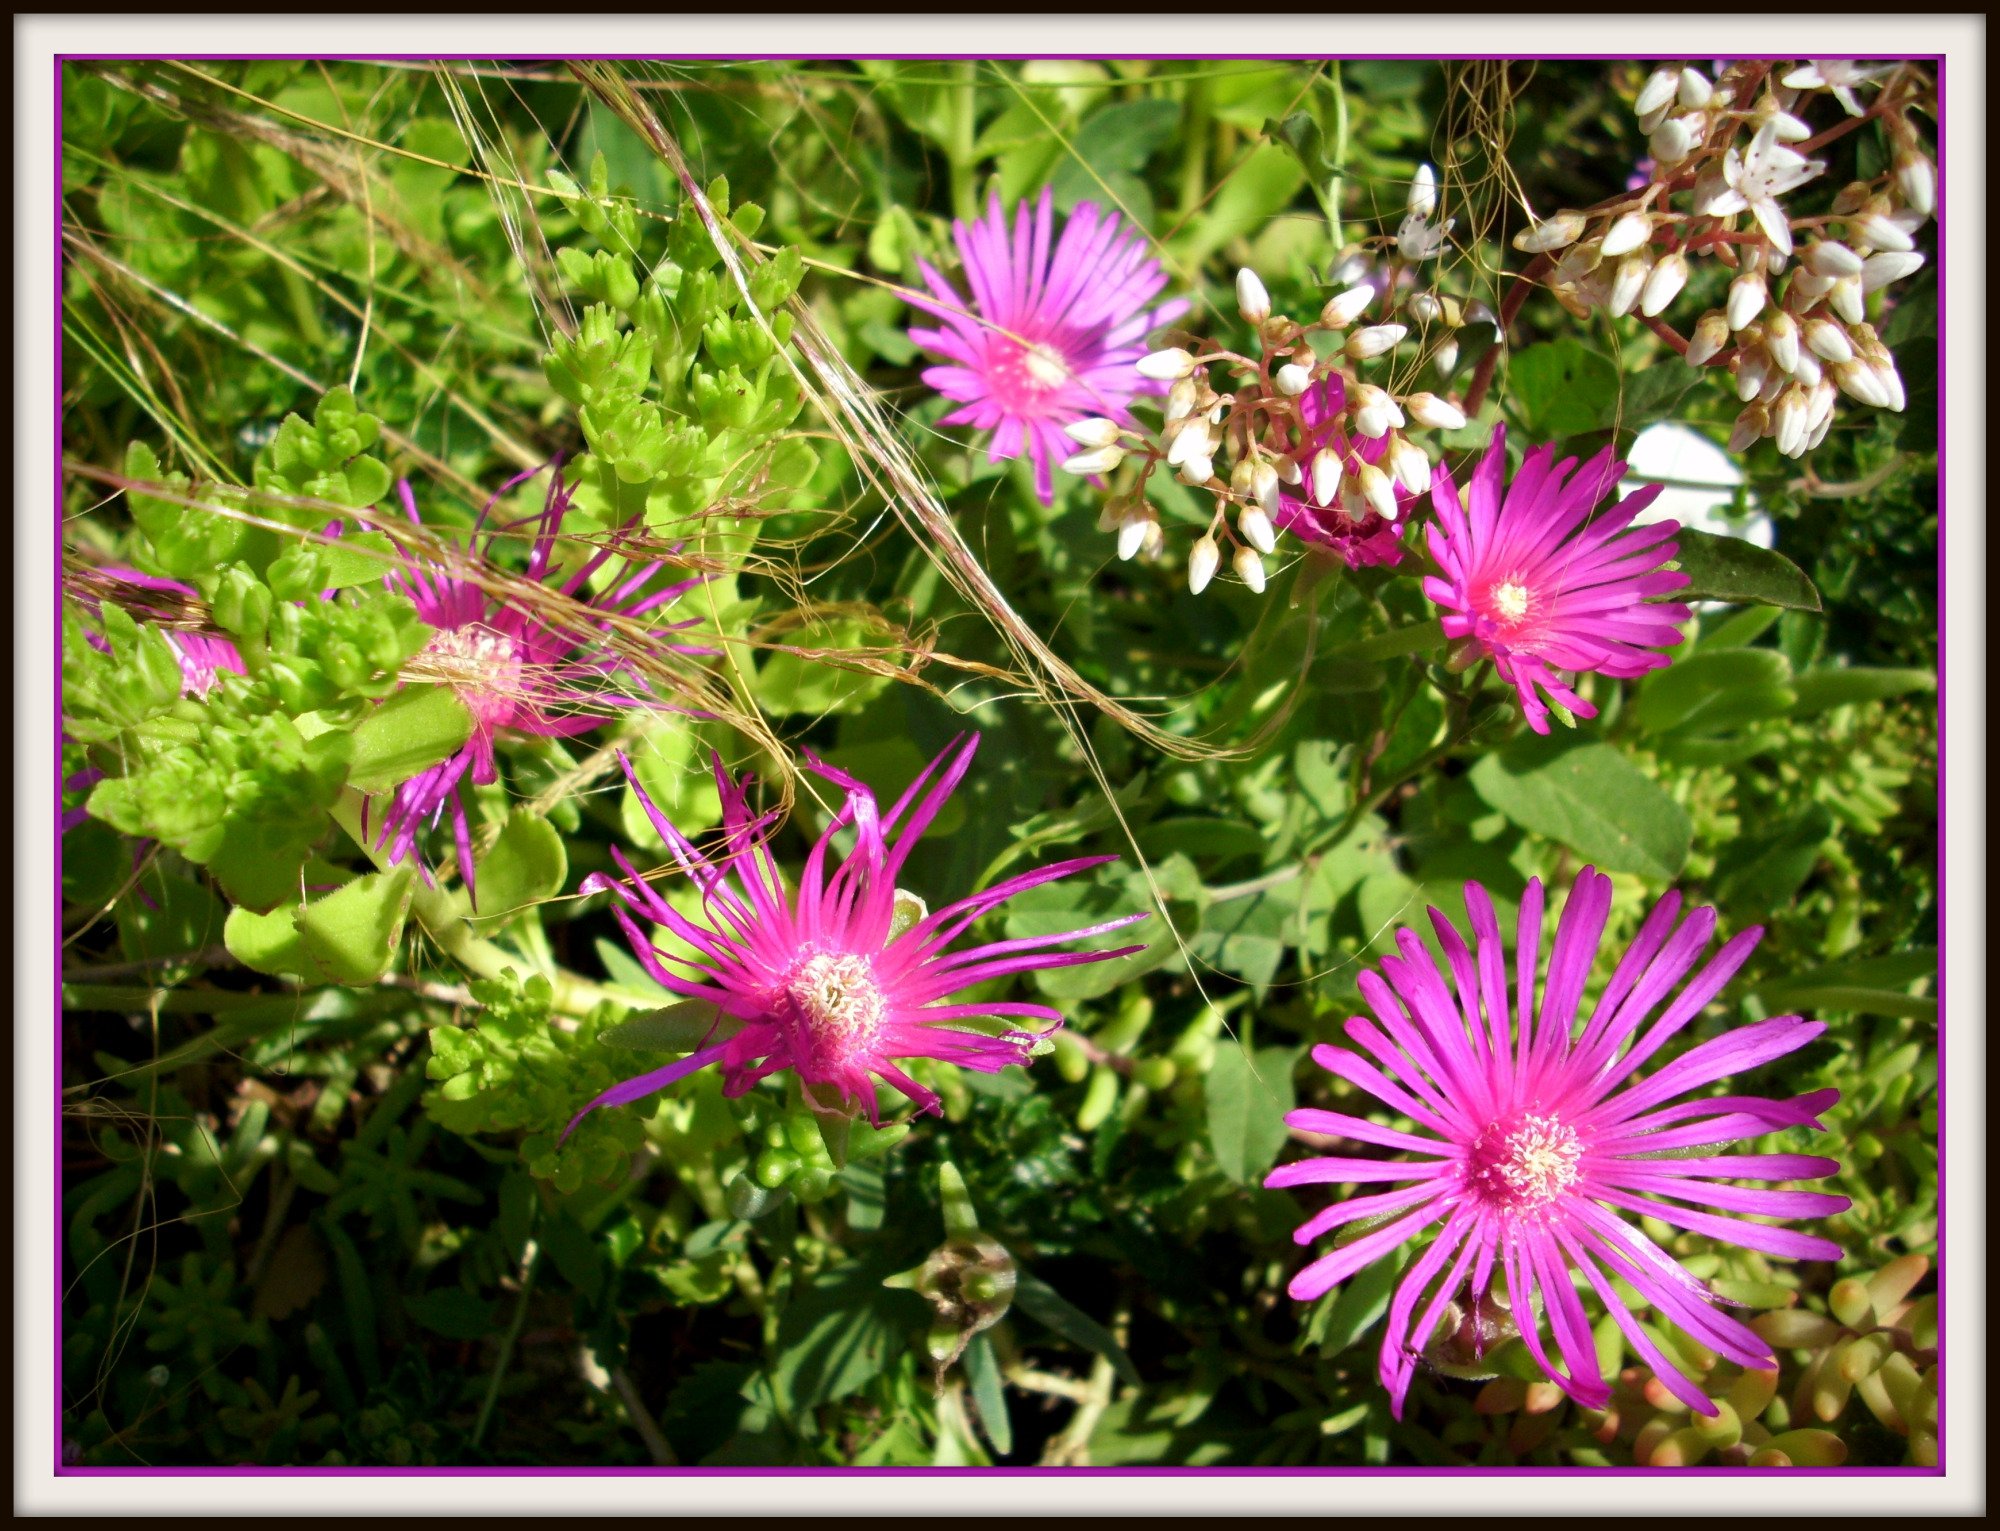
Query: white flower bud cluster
point(1235, 426)
point(1724, 161)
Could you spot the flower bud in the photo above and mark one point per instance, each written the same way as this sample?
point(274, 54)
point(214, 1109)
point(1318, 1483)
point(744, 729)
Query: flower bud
point(1374, 411)
point(1181, 398)
point(1092, 432)
point(1096, 460)
point(1293, 380)
point(1673, 140)
point(1343, 308)
point(1249, 568)
point(1378, 490)
point(1830, 258)
point(1845, 299)
point(1197, 471)
point(1375, 340)
point(1203, 560)
point(1326, 471)
point(1155, 541)
point(1916, 179)
point(1264, 485)
point(1828, 340)
point(1252, 301)
point(1165, 366)
point(1288, 471)
point(1660, 88)
point(1709, 337)
point(1192, 440)
point(1789, 422)
point(1781, 339)
point(1748, 296)
point(1429, 409)
point(1255, 525)
point(1880, 270)
point(1423, 198)
point(1695, 90)
point(1788, 129)
point(1445, 358)
point(1809, 371)
point(1669, 276)
point(1749, 428)
point(1551, 234)
point(1406, 460)
point(1627, 283)
point(1626, 235)
point(1878, 233)
point(1753, 368)
point(1891, 382)
point(1131, 538)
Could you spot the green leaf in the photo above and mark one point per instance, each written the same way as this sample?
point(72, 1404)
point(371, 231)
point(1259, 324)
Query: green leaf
point(1709, 692)
point(355, 560)
point(1824, 689)
point(1864, 985)
point(1563, 388)
point(675, 1029)
point(525, 865)
point(350, 935)
point(167, 916)
point(266, 943)
point(1247, 1100)
point(982, 1370)
point(1764, 870)
point(413, 729)
point(1593, 799)
point(838, 1333)
point(1731, 569)
point(1041, 1302)
point(452, 1312)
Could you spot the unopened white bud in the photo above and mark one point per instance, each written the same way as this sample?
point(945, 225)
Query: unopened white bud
point(1343, 308)
point(1439, 415)
point(1181, 398)
point(1326, 470)
point(1695, 89)
point(1891, 382)
point(1857, 380)
point(1406, 460)
point(1197, 471)
point(1375, 412)
point(1709, 337)
point(1749, 428)
point(1249, 568)
point(1828, 340)
point(1425, 307)
point(1781, 339)
point(1661, 86)
point(1673, 140)
point(1423, 199)
point(1092, 432)
point(1845, 299)
point(1096, 460)
point(1626, 235)
point(1252, 301)
point(1255, 525)
point(1830, 258)
point(1788, 129)
point(1627, 283)
point(1165, 366)
point(1808, 371)
point(1747, 298)
point(1155, 541)
point(1879, 232)
point(1669, 276)
point(1378, 490)
point(1203, 560)
point(1288, 471)
point(1131, 538)
point(1374, 340)
point(1916, 179)
point(1551, 234)
point(1820, 404)
point(1293, 380)
point(1753, 368)
point(1890, 266)
point(1445, 358)
point(1264, 485)
point(1789, 421)
point(1192, 440)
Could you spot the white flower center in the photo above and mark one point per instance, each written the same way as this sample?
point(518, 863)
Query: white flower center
point(483, 665)
point(834, 998)
point(1511, 600)
point(1524, 1164)
point(1045, 367)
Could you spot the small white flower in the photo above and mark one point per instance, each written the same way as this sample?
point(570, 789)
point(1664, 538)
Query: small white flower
point(1252, 301)
point(1781, 340)
point(1709, 337)
point(1761, 174)
point(1096, 460)
point(1093, 432)
point(1342, 309)
point(1293, 380)
point(1375, 412)
point(1374, 340)
point(1626, 235)
point(1551, 234)
point(1417, 239)
point(1429, 409)
point(1889, 266)
point(1425, 307)
point(1857, 380)
point(1255, 525)
point(1203, 560)
point(1165, 366)
point(1155, 541)
point(1326, 470)
point(1423, 199)
point(1790, 129)
point(1669, 276)
point(1348, 270)
point(1840, 75)
point(1249, 568)
point(1748, 296)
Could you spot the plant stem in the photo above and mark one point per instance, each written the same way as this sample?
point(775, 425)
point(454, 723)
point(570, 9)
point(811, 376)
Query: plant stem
point(1419, 638)
point(531, 1260)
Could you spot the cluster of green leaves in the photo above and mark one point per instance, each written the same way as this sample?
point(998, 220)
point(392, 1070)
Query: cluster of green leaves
point(317, 1210)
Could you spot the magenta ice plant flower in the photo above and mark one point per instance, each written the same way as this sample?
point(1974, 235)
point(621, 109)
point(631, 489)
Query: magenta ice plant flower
point(1541, 578)
point(1529, 1135)
point(517, 670)
point(1049, 337)
point(1349, 527)
point(826, 980)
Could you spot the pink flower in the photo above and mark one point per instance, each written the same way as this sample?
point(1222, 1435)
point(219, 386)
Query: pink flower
point(511, 668)
point(1532, 1136)
point(1047, 340)
point(1542, 581)
point(823, 981)
point(1348, 528)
